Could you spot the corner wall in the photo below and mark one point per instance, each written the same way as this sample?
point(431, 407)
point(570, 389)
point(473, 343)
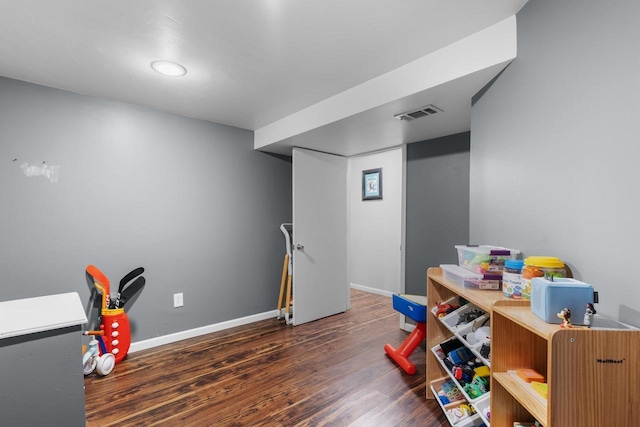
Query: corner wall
point(189, 200)
point(554, 150)
point(437, 206)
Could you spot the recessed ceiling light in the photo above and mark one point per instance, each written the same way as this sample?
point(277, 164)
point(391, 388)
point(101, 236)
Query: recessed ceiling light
point(169, 68)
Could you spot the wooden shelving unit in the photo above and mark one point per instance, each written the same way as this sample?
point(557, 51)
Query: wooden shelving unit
point(593, 375)
point(439, 289)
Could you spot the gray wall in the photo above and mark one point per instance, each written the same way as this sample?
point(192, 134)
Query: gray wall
point(437, 206)
point(189, 200)
point(554, 147)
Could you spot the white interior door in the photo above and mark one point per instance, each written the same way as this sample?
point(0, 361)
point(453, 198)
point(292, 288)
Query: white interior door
point(320, 283)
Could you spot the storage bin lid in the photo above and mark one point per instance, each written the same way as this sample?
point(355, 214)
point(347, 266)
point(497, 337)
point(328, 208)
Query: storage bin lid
point(460, 272)
point(514, 263)
point(544, 261)
point(487, 249)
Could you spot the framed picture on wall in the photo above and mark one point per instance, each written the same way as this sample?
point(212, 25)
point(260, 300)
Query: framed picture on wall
point(372, 184)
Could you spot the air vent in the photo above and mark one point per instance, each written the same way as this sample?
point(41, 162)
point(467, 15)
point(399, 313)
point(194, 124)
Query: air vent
point(428, 110)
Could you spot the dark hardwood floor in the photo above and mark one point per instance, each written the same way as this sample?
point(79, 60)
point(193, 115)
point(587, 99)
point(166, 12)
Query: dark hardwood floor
point(331, 372)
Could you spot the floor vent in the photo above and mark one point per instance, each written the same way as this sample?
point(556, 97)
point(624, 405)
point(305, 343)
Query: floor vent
point(425, 111)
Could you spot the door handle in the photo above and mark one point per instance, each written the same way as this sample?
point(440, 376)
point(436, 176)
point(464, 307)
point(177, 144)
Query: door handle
point(300, 247)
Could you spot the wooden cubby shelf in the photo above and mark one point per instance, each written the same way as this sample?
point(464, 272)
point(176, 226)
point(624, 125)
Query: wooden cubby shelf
point(440, 290)
point(592, 375)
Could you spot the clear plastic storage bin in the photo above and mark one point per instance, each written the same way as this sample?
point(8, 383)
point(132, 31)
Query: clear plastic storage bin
point(469, 279)
point(484, 258)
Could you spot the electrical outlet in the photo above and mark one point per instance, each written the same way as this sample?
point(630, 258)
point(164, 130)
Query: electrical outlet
point(178, 300)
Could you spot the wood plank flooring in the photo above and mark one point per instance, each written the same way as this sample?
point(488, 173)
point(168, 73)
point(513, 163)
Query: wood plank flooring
point(331, 372)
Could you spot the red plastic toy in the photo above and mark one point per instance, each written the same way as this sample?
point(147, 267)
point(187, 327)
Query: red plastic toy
point(401, 355)
point(442, 309)
point(117, 332)
point(414, 307)
point(114, 326)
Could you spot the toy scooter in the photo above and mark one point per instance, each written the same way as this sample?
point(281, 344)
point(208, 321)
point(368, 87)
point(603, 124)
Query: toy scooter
point(92, 360)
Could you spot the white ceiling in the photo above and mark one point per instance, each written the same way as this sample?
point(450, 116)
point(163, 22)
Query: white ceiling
point(251, 63)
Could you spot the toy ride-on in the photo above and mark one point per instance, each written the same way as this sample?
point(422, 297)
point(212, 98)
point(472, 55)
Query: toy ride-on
point(414, 307)
point(92, 360)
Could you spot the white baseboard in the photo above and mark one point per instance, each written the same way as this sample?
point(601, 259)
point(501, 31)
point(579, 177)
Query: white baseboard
point(372, 290)
point(203, 330)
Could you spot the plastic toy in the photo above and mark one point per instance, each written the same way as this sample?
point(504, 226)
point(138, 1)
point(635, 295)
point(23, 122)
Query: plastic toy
point(565, 315)
point(588, 315)
point(482, 371)
point(468, 316)
point(443, 398)
point(485, 350)
point(442, 309)
point(477, 387)
point(529, 375)
point(451, 391)
point(92, 360)
point(401, 354)
point(480, 335)
point(457, 372)
point(115, 330)
point(460, 355)
point(540, 388)
point(461, 412)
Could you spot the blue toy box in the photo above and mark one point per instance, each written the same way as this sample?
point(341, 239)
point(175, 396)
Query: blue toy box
point(549, 297)
point(413, 306)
